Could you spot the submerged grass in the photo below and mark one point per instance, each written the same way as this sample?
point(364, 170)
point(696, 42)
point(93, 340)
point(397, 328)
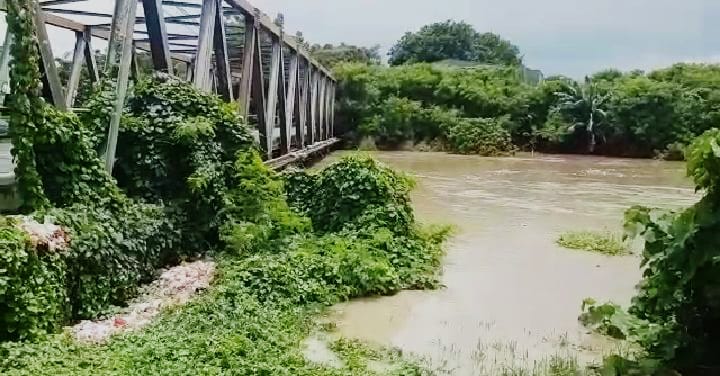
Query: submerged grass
point(602, 242)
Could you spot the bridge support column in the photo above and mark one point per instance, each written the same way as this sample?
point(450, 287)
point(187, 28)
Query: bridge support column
point(303, 102)
point(292, 109)
point(90, 61)
point(52, 84)
point(75, 70)
point(222, 63)
point(313, 105)
point(203, 63)
point(122, 40)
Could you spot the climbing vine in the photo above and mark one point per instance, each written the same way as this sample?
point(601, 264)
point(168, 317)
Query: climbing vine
point(675, 315)
point(25, 102)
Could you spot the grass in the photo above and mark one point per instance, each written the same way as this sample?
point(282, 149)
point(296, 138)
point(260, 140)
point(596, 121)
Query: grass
point(603, 242)
point(227, 329)
point(555, 366)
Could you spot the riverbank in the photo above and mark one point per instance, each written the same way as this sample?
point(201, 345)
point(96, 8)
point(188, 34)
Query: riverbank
point(277, 270)
point(512, 295)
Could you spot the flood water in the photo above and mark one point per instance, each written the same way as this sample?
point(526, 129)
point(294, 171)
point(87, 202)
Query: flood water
point(511, 295)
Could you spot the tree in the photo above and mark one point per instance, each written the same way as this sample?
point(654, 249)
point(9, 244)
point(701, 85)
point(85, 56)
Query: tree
point(329, 55)
point(584, 106)
point(607, 75)
point(453, 40)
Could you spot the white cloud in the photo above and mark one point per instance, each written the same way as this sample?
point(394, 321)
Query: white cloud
point(575, 37)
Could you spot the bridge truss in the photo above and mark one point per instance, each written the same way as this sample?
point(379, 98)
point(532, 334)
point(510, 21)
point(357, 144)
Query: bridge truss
point(227, 47)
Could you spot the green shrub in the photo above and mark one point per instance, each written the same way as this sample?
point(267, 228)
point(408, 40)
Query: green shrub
point(180, 146)
point(601, 242)
point(675, 315)
point(487, 137)
point(256, 215)
point(71, 171)
point(32, 286)
point(348, 264)
point(355, 192)
point(395, 122)
point(111, 252)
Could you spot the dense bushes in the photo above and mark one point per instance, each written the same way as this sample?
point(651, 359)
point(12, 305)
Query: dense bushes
point(32, 285)
point(682, 277)
point(421, 104)
point(112, 252)
point(611, 113)
point(368, 242)
point(189, 181)
point(484, 136)
point(352, 194)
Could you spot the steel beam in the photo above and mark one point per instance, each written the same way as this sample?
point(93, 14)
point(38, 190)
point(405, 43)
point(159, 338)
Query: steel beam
point(258, 95)
point(223, 76)
point(203, 63)
point(90, 61)
point(76, 70)
point(157, 33)
point(51, 75)
point(293, 99)
point(304, 91)
point(247, 65)
point(124, 43)
point(272, 95)
point(313, 104)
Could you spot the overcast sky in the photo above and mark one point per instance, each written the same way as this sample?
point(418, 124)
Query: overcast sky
point(572, 37)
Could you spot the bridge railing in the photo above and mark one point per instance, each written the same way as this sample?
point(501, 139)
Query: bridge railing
point(227, 47)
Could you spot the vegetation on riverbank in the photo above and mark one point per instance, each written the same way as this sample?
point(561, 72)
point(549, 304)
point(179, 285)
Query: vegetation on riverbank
point(593, 241)
point(485, 103)
point(674, 316)
point(189, 183)
point(634, 114)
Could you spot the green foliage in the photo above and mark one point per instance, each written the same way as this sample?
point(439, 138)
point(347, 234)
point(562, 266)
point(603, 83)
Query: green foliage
point(610, 319)
point(356, 192)
point(481, 92)
point(339, 266)
point(32, 293)
point(69, 166)
point(395, 122)
point(422, 104)
point(703, 161)
point(612, 113)
point(330, 55)
point(601, 242)
point(112, 252)
point(25, 103)
point(226, 330)
point(259, 309)
point(180, 147)
point(646, 116)
point(487, 137)
point(584, 108)
point(256, 215)
point(675, 315)
point(453, 40)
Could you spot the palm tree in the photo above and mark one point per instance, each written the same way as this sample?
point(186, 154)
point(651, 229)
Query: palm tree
point(584, 104)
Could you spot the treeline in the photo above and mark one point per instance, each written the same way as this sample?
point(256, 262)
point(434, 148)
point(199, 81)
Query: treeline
point(491, 110)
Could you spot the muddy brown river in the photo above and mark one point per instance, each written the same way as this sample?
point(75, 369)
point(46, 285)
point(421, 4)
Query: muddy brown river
point(511, 295)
